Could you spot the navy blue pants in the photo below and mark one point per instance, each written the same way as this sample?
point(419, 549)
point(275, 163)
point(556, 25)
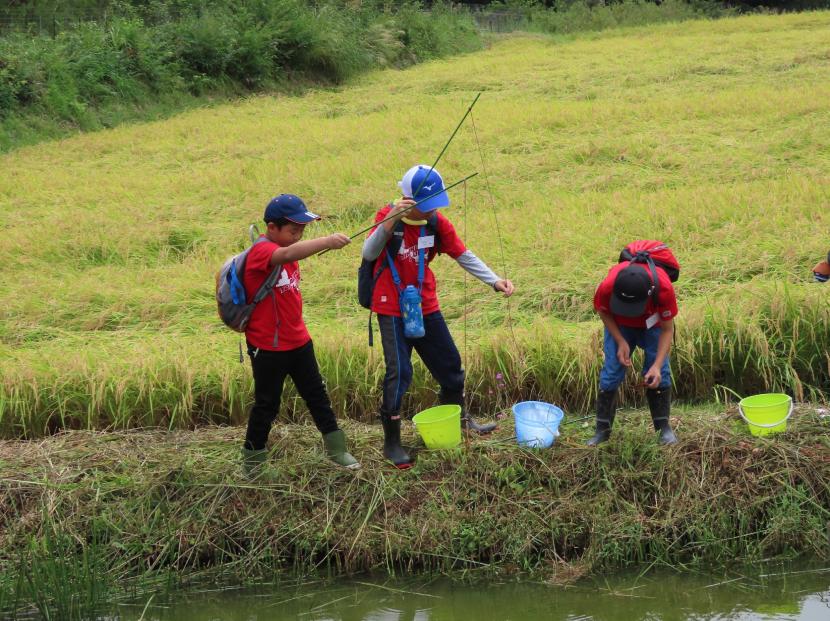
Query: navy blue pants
point(613, 371)
point(270, 369)
point(437, 350)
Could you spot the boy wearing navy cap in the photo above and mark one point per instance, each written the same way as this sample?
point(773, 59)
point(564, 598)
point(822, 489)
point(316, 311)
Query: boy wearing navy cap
point(637, 305)
point(279, 344)
point(404, 246)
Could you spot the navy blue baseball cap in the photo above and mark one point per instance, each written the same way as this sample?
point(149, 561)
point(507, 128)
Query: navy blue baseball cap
point(289, 207)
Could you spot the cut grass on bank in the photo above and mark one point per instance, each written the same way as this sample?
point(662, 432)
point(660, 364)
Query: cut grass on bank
point(710, 135)
point(89, 516)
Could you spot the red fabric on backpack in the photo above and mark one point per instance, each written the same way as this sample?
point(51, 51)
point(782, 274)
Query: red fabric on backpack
point(659, 251)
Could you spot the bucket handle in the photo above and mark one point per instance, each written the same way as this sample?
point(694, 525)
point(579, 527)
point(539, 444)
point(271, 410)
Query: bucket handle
point(548, 427)
point(783, 420)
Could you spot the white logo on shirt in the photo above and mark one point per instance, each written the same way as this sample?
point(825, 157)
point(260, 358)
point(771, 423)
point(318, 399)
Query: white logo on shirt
point(287, 283)
point(408, 253)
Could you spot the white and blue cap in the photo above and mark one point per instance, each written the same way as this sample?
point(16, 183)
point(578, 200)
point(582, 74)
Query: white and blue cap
point(420, 182)
point(291, 208)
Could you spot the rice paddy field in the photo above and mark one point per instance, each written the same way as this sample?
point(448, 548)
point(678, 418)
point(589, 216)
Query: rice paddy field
point(713, 136)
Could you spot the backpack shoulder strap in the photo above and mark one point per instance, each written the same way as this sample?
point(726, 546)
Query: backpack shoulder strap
point(394, 244)
point(432, 229)
point(266, 287)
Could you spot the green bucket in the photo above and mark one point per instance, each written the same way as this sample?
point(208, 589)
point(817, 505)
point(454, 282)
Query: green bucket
point(767, 413)
point(440, 427)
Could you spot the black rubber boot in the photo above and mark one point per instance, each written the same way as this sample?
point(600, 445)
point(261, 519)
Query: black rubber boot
point(392, 449)
point(606, 409)
point(467, 421)
point(659, 404)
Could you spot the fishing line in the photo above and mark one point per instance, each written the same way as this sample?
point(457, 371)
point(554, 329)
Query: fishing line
point(466, 360)
point(498, 226)
point(429, 172)
point(440, 155)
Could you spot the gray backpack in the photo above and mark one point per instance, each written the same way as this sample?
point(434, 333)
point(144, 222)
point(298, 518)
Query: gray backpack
point(231, 299)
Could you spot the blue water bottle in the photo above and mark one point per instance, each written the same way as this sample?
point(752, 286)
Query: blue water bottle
point(412, 313)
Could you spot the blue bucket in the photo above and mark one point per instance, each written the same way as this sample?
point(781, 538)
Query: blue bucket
point(537, 423)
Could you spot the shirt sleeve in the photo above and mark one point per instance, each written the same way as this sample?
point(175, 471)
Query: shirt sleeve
point(478, 268)
point(666, 301)
point(259, 257)
point(450, 242)
point(375, 243)
point(602, 296)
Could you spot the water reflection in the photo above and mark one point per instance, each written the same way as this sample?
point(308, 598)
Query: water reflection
point(790, 596)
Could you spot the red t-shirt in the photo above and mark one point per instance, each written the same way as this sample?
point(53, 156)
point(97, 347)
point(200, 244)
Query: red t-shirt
point(283, 310)
point(666, 301)
point(385, 296)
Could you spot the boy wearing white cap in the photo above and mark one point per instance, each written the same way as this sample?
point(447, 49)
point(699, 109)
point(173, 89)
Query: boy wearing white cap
point(402, 248)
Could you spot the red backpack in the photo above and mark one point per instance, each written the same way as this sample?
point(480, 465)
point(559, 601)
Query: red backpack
point(650, 251)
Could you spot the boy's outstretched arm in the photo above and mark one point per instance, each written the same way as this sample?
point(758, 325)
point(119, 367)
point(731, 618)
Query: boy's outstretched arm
point(303, 249)
point(478, 268)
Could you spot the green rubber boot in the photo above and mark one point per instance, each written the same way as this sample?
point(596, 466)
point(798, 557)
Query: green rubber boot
point(255, 466)
point(335, 443)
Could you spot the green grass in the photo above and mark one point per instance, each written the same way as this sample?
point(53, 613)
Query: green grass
point(710, 135)
point(92, 517)
point(145, 61)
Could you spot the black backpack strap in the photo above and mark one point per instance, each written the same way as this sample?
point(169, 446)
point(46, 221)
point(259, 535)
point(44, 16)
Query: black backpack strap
point(644, 256)
point(432, 228)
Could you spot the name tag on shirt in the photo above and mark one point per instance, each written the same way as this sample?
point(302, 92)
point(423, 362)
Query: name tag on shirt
point(652, 320)
point(427, 241)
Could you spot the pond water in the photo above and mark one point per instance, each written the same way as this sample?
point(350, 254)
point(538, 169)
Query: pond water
point(765, 593)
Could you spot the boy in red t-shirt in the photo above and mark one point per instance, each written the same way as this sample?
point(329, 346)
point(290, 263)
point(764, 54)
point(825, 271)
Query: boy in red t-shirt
point(421, 234)
point(279, 344)
point(637, 304)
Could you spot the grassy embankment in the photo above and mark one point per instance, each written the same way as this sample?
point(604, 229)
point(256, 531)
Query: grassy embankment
point(127, 61)
point(90, 518)
point(712, 136)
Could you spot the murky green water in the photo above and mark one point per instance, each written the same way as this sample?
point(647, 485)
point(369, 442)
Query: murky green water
point(772, 593)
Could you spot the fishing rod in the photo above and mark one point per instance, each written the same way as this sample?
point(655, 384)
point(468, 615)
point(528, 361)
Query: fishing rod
point(440, 155)
point(429, 172)
point(371, 226)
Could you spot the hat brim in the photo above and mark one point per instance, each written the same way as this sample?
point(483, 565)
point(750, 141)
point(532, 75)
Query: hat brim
point(303, 218)
point(624, 308)
point(434, 202)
